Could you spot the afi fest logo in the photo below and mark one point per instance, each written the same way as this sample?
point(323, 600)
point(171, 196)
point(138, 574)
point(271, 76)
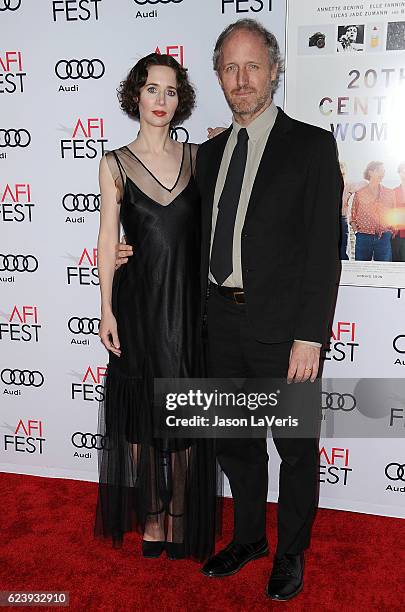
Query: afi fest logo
point(76, 10)
point(87, 140)
point(27, 438)
point(85, 272)
point(334, 466)
point(79, 203)
point(22, 325)
point(246, 6)
point(91, 385)
point(342, 345)
point(16, 202)
point(11, 262)
point(399, 347)
point(176, 51)
point(11, 72)
point(83, 326)
point(395, 472)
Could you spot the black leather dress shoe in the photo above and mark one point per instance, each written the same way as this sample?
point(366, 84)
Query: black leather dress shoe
point(287, 578)
point(232, 558)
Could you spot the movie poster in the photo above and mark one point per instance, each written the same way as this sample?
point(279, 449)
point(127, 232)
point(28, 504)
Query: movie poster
point(346, 73)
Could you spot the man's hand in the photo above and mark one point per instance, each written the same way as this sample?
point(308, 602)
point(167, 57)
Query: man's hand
point(122, 252)
point(304, 362)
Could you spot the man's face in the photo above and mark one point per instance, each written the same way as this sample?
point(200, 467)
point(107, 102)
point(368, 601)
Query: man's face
point(245, 74)
point(351, 33)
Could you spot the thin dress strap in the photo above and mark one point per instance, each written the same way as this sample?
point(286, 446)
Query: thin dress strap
point(120, 167)
point(191, 159)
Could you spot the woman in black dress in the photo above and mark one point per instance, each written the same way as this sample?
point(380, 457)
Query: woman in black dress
point(164, 489)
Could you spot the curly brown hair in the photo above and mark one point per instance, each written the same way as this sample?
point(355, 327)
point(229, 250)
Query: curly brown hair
point(129, 90)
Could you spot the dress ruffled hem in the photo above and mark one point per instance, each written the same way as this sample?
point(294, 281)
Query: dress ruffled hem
point(142, 478)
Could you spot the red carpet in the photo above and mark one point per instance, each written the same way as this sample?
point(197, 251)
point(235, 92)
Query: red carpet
point(356, 562)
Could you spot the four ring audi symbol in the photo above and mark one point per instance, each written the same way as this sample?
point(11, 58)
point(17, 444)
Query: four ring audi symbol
point(9, 5)
point(142, 2)
point(14, 138)
point(88, 440)
point(81, 202)
point(395, 471)
point(18, 263)
point(84, 325)
point(338, 401)
point(80, 69)
point(179, 133)
point(397, 347)
point(26, 378)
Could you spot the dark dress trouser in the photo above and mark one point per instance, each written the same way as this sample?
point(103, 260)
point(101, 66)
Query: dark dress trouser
point(234, 352)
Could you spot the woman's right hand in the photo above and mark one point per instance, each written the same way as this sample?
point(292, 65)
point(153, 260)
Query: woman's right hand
point(108, 333)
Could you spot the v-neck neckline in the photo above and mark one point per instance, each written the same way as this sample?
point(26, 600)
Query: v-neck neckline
point(153, 176)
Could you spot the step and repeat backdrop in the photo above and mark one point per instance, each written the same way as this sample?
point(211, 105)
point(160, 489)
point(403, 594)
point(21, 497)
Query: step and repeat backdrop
point(60, 64)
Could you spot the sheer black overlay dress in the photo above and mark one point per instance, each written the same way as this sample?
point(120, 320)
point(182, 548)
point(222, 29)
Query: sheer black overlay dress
point(156, 301)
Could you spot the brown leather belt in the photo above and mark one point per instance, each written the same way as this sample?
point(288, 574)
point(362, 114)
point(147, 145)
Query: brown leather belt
point(232, 293)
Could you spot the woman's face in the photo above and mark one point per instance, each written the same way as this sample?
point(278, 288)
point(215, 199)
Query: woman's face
point(158, 98)
point(378, 173)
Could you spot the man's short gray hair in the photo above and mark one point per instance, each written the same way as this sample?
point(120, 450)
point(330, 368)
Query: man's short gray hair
point(251, 25)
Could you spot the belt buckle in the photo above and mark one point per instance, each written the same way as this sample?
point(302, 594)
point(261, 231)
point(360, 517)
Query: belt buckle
point(239, 300)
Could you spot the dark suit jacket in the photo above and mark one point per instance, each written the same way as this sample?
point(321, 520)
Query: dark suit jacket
point(290, 254)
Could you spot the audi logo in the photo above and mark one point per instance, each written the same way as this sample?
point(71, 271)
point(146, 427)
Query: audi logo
point(81, 202)
point(25, 378)
point(142, 2)
point(395, 471)
point(84, 325)
point(395, 343)
point(88, 440)
point(9, 5)
point(179, 133)
point(79, 69)
point(18, 263)
point(338, 401)
point(14, 138)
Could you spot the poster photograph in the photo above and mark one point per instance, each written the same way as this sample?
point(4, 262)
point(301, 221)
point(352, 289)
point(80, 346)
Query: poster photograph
point(345, 72)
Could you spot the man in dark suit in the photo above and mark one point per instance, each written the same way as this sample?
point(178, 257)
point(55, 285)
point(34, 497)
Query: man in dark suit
point(271, 192)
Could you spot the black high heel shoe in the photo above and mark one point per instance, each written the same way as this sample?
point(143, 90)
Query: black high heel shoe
point(152, 549)
point(175, 550)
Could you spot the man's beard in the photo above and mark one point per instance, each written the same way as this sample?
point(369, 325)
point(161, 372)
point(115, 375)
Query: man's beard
point(248, 107)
